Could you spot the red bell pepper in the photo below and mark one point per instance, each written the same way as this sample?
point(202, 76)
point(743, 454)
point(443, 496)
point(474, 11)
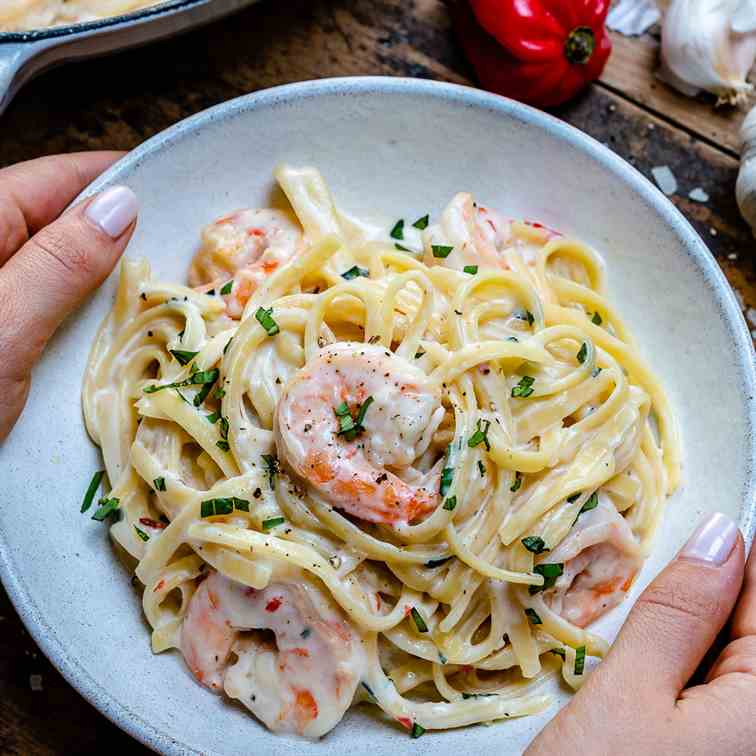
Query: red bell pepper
point(538, 51)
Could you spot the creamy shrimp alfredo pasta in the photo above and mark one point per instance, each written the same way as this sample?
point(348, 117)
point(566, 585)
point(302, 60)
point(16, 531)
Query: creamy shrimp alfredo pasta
point(22, 15)
point(403, 467)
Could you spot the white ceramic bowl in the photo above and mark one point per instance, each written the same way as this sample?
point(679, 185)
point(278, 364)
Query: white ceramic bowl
point(388, 147)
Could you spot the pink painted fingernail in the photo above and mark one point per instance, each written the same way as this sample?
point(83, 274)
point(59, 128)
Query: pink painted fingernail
point(712, 541)
point(114, 210)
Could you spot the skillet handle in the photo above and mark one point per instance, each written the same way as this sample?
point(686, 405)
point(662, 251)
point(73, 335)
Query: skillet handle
point(13, 58)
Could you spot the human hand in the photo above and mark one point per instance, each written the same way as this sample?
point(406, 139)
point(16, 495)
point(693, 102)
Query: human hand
point(50, 264)
point(636, 701)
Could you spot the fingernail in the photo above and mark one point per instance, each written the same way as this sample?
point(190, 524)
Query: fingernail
point(712, 541)
point(114, 210)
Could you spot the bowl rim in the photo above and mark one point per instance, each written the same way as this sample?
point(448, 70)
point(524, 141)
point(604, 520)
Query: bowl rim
point(44, 635)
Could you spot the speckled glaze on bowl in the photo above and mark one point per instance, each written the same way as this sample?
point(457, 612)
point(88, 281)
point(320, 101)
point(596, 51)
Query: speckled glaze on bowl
point(389, 148)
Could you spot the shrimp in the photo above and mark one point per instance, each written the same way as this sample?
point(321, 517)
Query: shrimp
point(305, 680)
point(352, 471)
point(477, 234)
point(247, 246)
point(601, 558)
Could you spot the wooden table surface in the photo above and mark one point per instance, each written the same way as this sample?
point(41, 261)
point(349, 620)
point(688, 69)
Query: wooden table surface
point(118, 102)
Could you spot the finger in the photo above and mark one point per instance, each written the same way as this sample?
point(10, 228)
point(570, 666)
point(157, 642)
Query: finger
point(744, 619)
point(34, 193)
point(50, 276)
point(678, 616)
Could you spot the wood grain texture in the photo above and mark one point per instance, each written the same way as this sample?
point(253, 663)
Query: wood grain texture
point(118, 102)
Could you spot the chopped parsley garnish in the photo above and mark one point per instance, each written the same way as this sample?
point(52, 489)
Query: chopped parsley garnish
point(516, 483)
point(223, 506)
point(441, 250)
point(272, 522)
point(524, 388)
point(354, 272)
point(204, 378)
point(558, 652)
point(159, 484)
point(471, 269)
point(227, 288)
point(450, 503)
point(271, 467)
point(369, 690)
point(105, 508)
point(363, 411)
point(523, 314)
point(402, 248)
point(219, 392)
point(550, 573)
point(223, 428)
point(533, 616)
point(437, 562)
point(536, 544)
point(305, 633)
point(183, 357)
point(265, 319)
point(590, 504)
point(213, 418)
point(419, 621)
point(91, 490)
point(421, 223)
point(350, 427)
point(597, 319)
point(583, 353)
point(141, 533)
point(513, 338)
point(482, 469)
point(397, 232)
point(419, 353)
point(481, 435)
point(443, 659)
point(417, 730)
point(595, 372)
point(579, 660)
point(223, 445)
point(574, 497)
point(228, 344)
point(447, 475)
point(207, 387)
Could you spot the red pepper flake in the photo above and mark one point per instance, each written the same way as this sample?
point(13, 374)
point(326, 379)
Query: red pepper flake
point(150, 523)
point(407, 611)
point(255, 232)
point(300, 652)
point(250, 592)
point(274, 604)
point(158, 586)
point(306, 708)
point(405, 722)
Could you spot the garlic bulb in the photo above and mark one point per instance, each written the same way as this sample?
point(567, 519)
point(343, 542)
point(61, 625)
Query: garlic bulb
point(745, 188)
point(709, 45)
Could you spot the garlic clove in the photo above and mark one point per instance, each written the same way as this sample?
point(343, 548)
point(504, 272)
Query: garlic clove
point(701, 48)
point(744, 18)
point(745, 187)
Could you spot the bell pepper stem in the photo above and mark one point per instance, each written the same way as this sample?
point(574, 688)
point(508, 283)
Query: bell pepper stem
point(579, 45)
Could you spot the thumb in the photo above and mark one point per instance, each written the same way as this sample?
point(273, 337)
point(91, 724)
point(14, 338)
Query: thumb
point(56, 269)
point(48, 278)
point(677, 618)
